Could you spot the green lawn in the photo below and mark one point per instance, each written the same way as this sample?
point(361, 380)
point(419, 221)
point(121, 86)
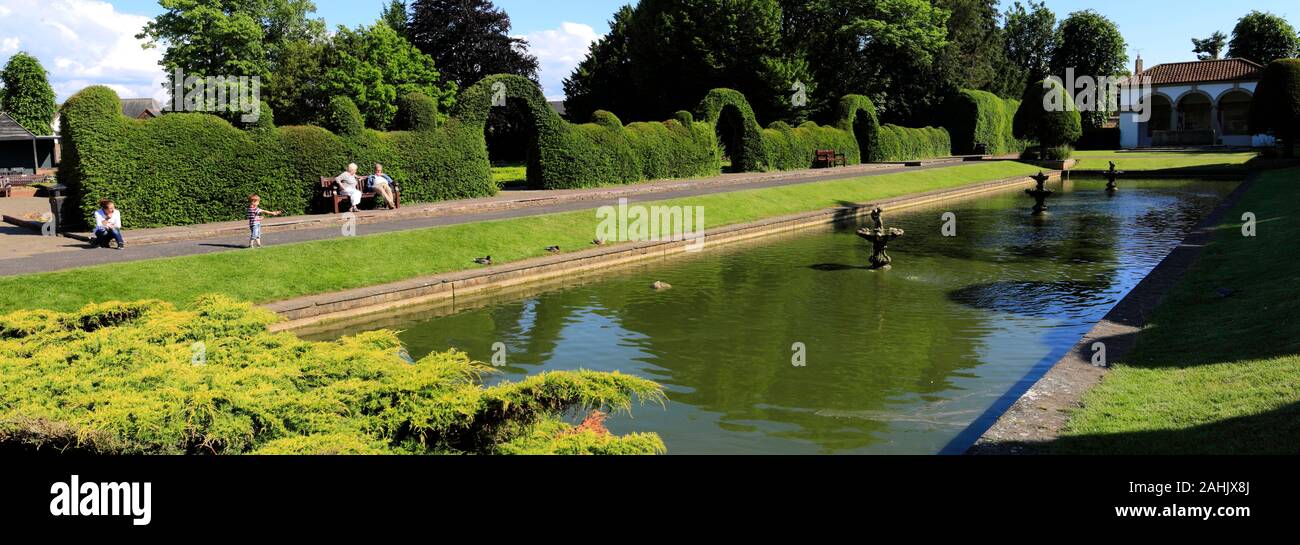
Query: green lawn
point(1137, 161)
point(509, 174)
point(1214, 374)
point(282, 272)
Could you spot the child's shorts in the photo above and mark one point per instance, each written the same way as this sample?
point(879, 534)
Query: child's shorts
point(256, 229)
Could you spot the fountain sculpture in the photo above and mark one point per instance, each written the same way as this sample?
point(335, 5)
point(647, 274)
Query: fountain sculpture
point(880, 237)
point(1040, 193)
point(1111, 176)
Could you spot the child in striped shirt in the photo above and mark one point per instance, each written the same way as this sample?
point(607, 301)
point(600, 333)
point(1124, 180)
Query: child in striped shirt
point(255, 220)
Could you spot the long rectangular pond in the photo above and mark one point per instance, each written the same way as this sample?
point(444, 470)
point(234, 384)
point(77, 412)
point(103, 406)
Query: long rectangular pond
point(899, 362)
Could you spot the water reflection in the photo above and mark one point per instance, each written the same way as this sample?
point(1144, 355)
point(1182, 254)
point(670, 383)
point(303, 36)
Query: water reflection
point(897, 362)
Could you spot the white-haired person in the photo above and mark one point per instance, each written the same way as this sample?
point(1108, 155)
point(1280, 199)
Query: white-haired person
point(383, 185)
point(349, 186)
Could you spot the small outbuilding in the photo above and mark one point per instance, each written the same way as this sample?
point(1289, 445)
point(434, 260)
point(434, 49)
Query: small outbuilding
point(22, 152)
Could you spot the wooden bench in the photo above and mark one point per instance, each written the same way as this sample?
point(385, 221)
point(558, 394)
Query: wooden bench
point(828, 158)
point(331, 192)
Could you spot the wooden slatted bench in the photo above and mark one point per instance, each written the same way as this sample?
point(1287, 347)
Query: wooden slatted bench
point(828, 158)
point(330, 192)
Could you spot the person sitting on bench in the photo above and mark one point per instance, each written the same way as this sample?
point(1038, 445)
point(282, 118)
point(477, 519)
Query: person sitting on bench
point(108, 225)
point(382, 184)
point(349, 186)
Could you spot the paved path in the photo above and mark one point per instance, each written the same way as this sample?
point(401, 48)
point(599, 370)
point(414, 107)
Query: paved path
point(72, 254)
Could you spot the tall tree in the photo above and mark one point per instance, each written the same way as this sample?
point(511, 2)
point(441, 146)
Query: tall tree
point(374, 66)
point(469, 40)
point(669, 53)
point(1092, 45)
point(1030, 41)
point(1263, 37)
point(27, 96)
point(603, 80)
point(974, 57)
point(397, 16)
point(885, 49)
point(235, 38)
point(1209, 49)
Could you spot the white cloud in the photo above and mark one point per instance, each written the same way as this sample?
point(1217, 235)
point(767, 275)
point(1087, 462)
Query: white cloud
point(558, 52)
point(83, 43)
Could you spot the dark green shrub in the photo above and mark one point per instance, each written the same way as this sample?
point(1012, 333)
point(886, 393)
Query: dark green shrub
point(416, 112)
point(1105, 138)
point(343, 117)
point(1276, 107)
point(905, 144)
point(980, 123)
point(1052, 127)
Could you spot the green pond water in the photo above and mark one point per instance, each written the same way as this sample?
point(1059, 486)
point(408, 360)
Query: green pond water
point(909, 361)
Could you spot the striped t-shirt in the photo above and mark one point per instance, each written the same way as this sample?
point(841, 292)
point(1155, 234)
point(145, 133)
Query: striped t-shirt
point(254, 215)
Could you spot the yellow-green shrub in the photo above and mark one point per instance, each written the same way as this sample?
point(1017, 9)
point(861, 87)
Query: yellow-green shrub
point(146, 378)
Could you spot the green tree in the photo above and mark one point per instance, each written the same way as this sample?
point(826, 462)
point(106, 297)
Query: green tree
point(397, 16)
point(1276, 106)
point(603, 80)
point(974, 57)
point(27, 96)
point(469, 40)
point(255, 38)
point(1209, 49)
point(374, 66)
point(885, 49)
point(1263, 37)
point(1092, 45)
point(1030, 41)
point(665, 55)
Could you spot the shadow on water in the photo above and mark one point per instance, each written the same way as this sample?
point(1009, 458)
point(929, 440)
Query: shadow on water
point(1041, 298)
point(837, 267)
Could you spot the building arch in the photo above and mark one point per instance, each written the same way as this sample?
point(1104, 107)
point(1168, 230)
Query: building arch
point(1195, 111)
point(1233, 106)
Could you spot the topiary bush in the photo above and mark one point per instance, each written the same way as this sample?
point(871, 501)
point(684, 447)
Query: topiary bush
point(182, 169)
point(146, 378)
point(980, 123)
point(1275, 109)
point(416, 112)
point(728, 112)
point(343, 118)
point(1047, 115)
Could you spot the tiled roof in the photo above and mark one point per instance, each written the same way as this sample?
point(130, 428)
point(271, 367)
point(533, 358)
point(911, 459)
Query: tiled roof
point(1203, 72)
point(136, 108)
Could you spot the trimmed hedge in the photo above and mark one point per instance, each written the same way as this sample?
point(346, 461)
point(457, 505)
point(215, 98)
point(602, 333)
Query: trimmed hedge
point(906, 144)
point(980, 122)
point(182, 169)
point(601, 152)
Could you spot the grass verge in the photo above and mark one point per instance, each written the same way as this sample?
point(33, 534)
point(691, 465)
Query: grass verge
point(1217, 371)
point(282, 272)
point(1141, 161)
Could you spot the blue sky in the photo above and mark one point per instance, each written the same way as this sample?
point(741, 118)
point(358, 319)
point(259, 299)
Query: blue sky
point(86, 42)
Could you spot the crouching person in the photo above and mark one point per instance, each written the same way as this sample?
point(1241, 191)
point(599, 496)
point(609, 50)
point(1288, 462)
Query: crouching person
point(108, 225)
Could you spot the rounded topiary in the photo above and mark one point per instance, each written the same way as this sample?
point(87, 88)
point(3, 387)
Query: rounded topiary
point(416, 111)
point(343, 117)
point(1047, 115)
point(265, 118)
point(1276, 106)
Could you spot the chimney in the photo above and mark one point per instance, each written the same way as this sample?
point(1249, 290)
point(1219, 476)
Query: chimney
point(1137, 71)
